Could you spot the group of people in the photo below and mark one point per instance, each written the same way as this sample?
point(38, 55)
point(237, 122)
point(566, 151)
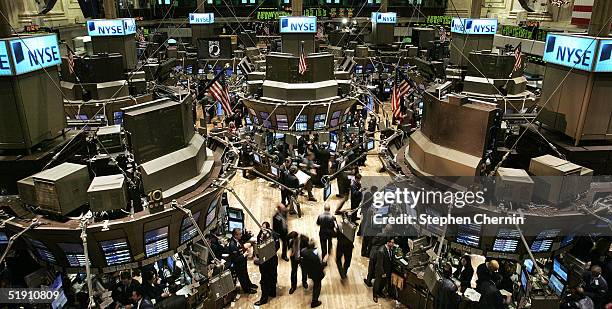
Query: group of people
point(144, 289)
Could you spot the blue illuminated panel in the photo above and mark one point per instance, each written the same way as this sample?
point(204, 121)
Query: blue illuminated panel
point(111, 27)
point(34, 53)
point(5, 60)
point(474, 26)
point(298, 24)
point(156, 241)
point(201, 18)
point(570, 51)
point(604, 57)
point(116, 251)
point(384, 18)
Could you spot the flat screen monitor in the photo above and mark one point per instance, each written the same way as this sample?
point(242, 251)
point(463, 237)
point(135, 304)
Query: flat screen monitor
point(274, 170)
point(188, 230)
point(156, 241)
point(326, 191)
point(333, 136)
point(236, 225)
point(3, 238)
point(170, 261)
point(301, 126)
point(116, 251)
point(74, 254)
point(279, 136)
point(528, 264)
point(333, 146)
point(81, 117)
point(469, 234)
point(370, 144)
point(212, 213)
point(540, 246)
point(559, 269)
point(547, 234)
point(257, 158)
point(555, 285)
point(61, 299)
point(505, 245)
point(118, 117)
point(524, 280)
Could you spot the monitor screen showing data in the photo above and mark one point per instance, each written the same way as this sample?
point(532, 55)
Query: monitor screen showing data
point(469, 234)
point(116, 251)
point(156, 241)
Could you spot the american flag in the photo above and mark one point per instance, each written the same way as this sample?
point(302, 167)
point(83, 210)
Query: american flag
point(303, 66)
point(581, 14)
point(70, 61)
point(218, 90)
point(400, 89)
point(518, 57)
point(442, 34)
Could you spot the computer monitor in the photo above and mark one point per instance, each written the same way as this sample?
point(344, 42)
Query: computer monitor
point(212, 213)
point(257, 158)
point(274, 170)
point(505, 245)
point(333, 146)
point(188, 230)
point(559, 270)
point(118, 117)
point(469, 234)
point(156, 241)
point(3, 238)
point(528, 264)
point(556, 285)
point(116, 251)
point(81, 117)
point(279, 136)
point(235, 225)
point(544, 245)
point(370, 144)
point(60, 300)
point(524, 281)
point(326, 191)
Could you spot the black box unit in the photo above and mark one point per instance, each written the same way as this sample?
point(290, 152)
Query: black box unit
point(215, 48)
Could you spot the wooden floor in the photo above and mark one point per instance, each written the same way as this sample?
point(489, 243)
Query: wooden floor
point(352, 293)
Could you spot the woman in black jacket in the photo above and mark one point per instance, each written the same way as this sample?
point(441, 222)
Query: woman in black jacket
point(465, 272)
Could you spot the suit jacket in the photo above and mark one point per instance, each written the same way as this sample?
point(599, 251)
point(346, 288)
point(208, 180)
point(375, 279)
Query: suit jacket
point(378, 241)
point(236, 252)
point(384, 261)
point(312, 264)
point(279, 224)
point(327, 223)
point(144, 304)
point(490, 297)
point(292, 181)
point(356, 195)
point(172, 302)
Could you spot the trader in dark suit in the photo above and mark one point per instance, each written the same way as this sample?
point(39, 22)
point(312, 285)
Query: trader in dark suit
point(279, 226)
point(327, 223)
point(297, 242)
point(447, 292)
point(344, 249)
point(122, 291)
point(294, 183)
point(237, 256)
point(383, 268)
point(377, 241)
point(356, 196)
point(173, 301)
point(313, 265)
point(269, 268)
point(283, 176)
point(140, 302)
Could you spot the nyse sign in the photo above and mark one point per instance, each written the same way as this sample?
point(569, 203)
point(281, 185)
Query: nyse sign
point(5, 61)
point(474, 26)
point(111, 27)
point(604, 57)
point(201, 18)
point(384, 18)
point(35, 53)
point(571, 51)
point(301, 24)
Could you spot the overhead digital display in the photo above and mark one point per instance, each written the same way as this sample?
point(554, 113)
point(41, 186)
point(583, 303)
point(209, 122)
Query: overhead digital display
point(384, 18)
point(5, 60)
point(604, 56)
point(35, 53)
point(201, 18)
point(571, 51)
point(111, 27)
point(298, 24)
point(474, 26)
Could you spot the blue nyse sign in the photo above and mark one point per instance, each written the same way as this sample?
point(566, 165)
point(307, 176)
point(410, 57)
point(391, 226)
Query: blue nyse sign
point(201, 18)
point(5, 60)
point(35, 53)
point(111, 27)
point(571, 51)
point(384, 18)
point(604, 57)
point(474, 26)
point(298, 24)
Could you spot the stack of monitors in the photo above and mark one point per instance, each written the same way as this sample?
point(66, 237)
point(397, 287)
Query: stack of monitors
point(558, 278)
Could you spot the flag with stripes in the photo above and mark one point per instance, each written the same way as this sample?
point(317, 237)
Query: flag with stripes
point(518, 57)
point(303, 66)
point(347, 64)
point(401, 87)
point(581, 14)
point(218, 90)
point(246, 66)
point(70, 61)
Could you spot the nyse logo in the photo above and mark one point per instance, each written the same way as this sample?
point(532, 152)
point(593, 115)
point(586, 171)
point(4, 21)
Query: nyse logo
point(606, 52)
point(106, 29)
point(35, 56)
point(207, 18)
point(569, 55)
point(298, 25)
point(129, 26)
point(386, 18)
point(474, 26)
